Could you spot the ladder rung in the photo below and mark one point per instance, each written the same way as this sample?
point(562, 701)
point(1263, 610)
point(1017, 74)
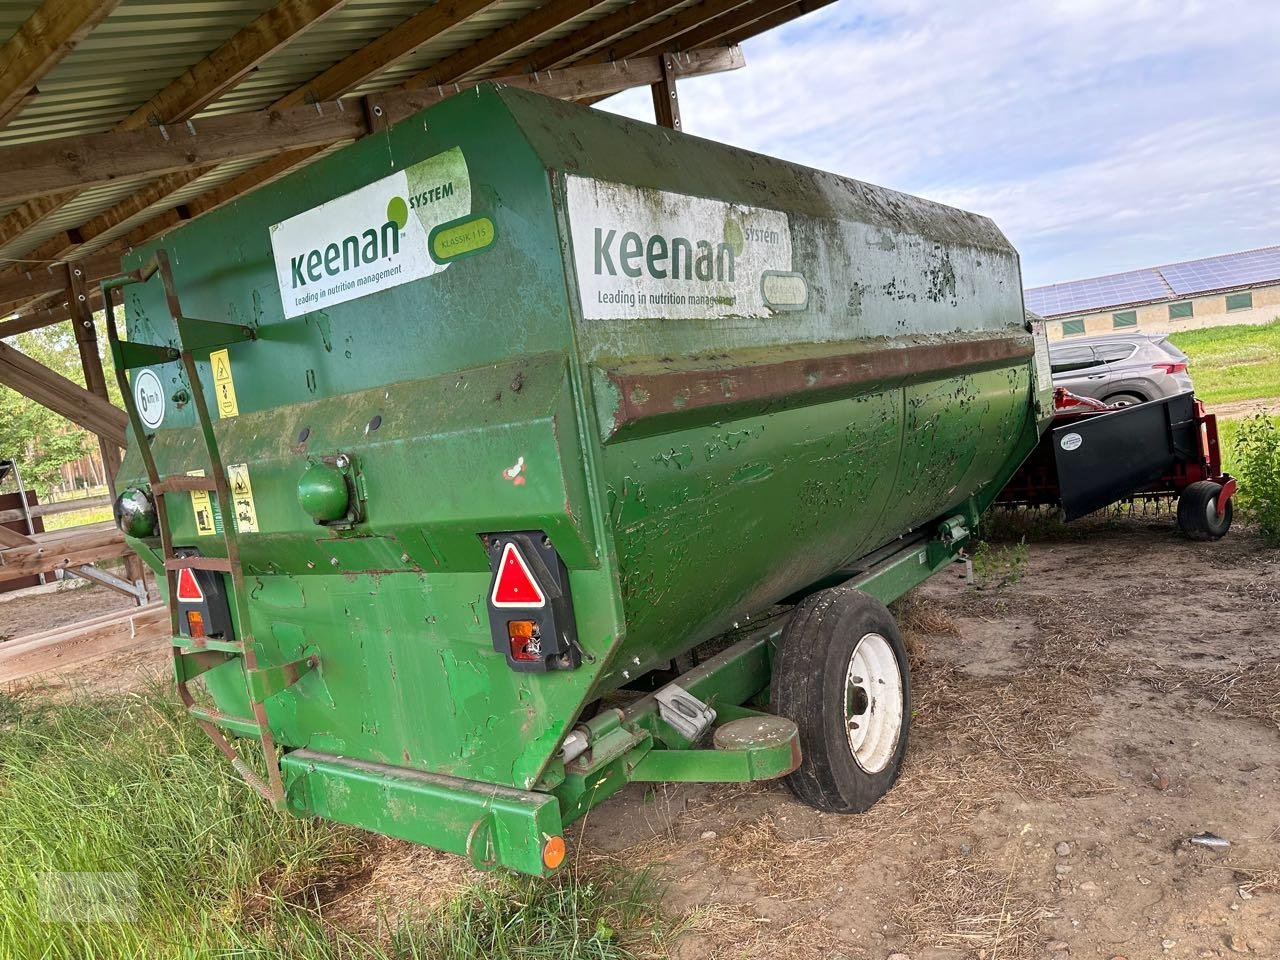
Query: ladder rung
point(181, 483)
point(216, 564)
point(220, 646)
point(243, 726)
point(129, 354)
point(211, 334)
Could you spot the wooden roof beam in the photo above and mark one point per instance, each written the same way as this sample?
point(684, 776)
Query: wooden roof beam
point(666, 32)
point(258, 176)
point(222, 70)
point(477, 56)
point(48, 35)
point(267, 132)
point(199, 86)
point(769, 22)
point(341, 78)
point(716, 30)
point(593, 35)
point(572, 84)
point(389, 48)
point(47, 316)
point(48, 280)
point(31, 379)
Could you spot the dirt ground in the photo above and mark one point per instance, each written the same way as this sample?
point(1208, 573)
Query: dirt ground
point(1073, 729)
point(56, 605)
point(135, 661)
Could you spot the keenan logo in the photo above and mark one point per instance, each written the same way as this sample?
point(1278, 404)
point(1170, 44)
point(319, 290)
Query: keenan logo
point(663, 258)
point(354, 251)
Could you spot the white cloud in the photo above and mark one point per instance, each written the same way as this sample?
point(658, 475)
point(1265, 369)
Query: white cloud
point(1100, 136)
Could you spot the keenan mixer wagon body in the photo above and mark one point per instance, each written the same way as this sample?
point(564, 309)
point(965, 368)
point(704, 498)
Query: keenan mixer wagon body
point(502, 412)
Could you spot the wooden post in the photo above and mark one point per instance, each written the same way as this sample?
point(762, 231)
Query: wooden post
point(95, 381)
point(666, 105)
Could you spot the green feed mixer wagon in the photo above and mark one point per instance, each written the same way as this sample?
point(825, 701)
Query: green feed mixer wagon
point(519, 452)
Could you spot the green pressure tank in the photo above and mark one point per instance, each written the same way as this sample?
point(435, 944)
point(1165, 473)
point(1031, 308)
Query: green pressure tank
point(534, 401)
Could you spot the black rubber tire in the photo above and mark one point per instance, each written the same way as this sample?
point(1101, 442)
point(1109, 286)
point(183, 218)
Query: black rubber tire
point(808, 688)
point(1197, 512)
point(1129, 399)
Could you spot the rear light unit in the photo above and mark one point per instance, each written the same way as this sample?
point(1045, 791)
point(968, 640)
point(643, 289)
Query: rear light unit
point(530, 611)
point(1170, 368)
point(204, 612)
point(526, 641)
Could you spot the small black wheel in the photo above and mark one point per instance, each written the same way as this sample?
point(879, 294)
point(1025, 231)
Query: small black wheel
point(1198, 511)
point(1124, 399)
point(841, 675)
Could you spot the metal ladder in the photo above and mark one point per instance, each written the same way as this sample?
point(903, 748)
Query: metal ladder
point(193, 656)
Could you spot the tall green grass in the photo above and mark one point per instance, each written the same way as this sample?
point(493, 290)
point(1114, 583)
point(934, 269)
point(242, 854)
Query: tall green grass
point(1233, 363)
point(131, 785)
point(519, 918)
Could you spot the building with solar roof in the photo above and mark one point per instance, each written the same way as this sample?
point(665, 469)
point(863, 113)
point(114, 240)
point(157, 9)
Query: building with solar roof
point(1232, 288)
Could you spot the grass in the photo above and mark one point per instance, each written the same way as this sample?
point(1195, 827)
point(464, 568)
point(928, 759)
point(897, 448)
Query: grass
point(130, 786)
point(76, 518)
point(1233, 363)
point(518, 917)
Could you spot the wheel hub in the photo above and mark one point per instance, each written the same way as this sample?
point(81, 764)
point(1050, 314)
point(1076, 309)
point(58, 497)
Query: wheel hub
point(873, 703)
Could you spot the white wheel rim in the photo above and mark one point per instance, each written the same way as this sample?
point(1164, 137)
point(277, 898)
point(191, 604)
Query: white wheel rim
point(873, 703)
point(1211, 513)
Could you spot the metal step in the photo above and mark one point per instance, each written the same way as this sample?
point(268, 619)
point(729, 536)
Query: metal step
point(215, 564)
point(183, 483)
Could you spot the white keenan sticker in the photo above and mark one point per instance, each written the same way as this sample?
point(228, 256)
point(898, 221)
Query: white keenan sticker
point(148, 394)
point(1071, 441)
point(643, 253)
point(370, 239)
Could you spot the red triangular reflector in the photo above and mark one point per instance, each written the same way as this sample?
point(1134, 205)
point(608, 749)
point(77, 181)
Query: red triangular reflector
point(514, 586)
point(188, 587)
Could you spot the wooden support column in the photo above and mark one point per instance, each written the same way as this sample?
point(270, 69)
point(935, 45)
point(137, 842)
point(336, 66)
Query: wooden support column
point(95, 381)
point(666, 105)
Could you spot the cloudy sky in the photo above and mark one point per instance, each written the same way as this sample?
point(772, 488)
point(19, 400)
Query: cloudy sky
point(1101, 135)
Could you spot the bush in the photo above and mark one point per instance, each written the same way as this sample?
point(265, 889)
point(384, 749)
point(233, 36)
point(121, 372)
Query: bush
point(999, 566)
point(1257, 462)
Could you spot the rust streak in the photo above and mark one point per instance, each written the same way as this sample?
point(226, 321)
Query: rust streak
point(649, 394)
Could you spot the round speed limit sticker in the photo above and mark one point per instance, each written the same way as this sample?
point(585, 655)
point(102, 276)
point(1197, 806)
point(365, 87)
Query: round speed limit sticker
point(149, 396)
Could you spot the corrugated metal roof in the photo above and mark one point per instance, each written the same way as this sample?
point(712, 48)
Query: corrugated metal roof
point(140, 47)
point(1172, 281)
point(145, 44)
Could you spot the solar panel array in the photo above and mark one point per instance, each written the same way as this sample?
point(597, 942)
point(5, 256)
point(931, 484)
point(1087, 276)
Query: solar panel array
point(1097, 293)
point(1185, 279)
point(1217, 273)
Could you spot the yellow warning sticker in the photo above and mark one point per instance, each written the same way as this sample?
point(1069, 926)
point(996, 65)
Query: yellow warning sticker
point(242, 498)
point(224, 387)
point(207, 519)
